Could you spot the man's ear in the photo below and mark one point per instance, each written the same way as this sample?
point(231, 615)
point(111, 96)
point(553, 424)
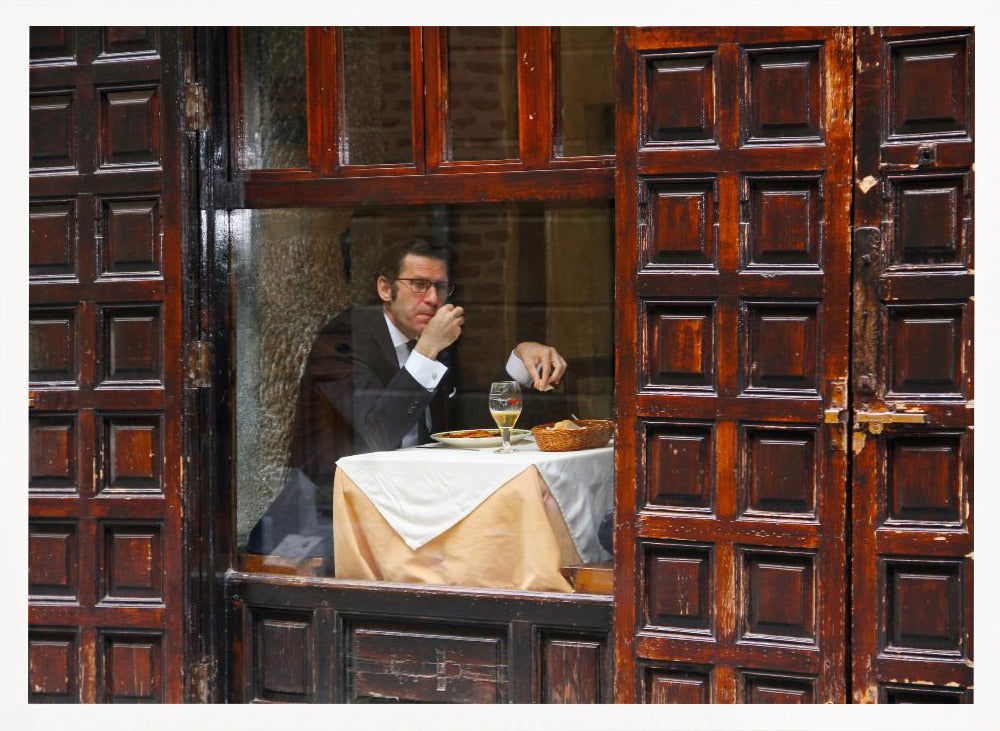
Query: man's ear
point(384, 287)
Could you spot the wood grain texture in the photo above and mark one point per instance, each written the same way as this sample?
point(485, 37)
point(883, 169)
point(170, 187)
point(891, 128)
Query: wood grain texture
point(739, 145)
point(105, 294)
point(912, 508)
point(352, 641)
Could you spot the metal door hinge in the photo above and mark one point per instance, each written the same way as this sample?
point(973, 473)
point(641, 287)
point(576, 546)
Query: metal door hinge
point(195, 107)
point(198, 364)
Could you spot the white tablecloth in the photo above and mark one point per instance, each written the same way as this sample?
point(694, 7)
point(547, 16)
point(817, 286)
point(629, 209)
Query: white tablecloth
point(423, 492)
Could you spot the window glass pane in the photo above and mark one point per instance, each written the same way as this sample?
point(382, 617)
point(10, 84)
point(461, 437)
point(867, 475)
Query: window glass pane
point(318, 378)
point(586, 91)
point(377, 104)
point(273, 78)
point(482, 93)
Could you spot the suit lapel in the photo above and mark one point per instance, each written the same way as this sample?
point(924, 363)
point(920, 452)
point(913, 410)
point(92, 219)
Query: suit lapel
point(372, 336)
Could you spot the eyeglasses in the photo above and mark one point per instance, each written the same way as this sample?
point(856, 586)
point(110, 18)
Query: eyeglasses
point(420, 286)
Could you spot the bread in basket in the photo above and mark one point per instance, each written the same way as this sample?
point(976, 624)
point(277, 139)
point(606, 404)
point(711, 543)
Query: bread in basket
point(590, 434)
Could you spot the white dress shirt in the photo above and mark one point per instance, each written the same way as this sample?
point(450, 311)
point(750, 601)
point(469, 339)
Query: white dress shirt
point(428, 373)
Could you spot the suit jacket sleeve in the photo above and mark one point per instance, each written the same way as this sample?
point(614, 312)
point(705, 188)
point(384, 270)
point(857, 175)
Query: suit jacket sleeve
point(380, 400)
point(383, 414)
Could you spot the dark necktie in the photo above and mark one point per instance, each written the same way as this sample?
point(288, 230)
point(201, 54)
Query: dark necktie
point(423, 433)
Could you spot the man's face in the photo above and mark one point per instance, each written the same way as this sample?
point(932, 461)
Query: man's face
point(409, 311)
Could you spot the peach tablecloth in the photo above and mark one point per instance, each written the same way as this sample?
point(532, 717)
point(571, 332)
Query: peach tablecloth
point(515, 539)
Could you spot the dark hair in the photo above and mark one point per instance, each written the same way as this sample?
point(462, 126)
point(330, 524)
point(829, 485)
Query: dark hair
point(391, 260)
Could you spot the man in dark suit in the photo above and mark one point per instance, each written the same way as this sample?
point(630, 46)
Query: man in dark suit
point(377, 379)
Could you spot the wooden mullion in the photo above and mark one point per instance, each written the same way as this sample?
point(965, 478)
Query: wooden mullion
point(418, 107)
point(237, 123)
point(322, 99)
point(86, 658)
point(526, 102)
point(626, 328)
point(523, 687)
point(435, 97)
point(316, 93)
point(545, 90)
point(534, 93)
point(834, 614)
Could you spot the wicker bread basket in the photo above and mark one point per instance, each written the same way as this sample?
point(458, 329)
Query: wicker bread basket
point(595, 433)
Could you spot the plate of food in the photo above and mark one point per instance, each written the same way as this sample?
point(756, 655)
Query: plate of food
point(475, 438)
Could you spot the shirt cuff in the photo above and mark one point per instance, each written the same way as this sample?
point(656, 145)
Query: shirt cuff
point(428, 373)
point(517, 370)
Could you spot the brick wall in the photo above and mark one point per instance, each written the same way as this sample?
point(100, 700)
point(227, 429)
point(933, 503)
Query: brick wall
point(482, 89)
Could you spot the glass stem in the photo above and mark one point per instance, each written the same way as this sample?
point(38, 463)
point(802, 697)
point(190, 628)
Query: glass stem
point(505, 434)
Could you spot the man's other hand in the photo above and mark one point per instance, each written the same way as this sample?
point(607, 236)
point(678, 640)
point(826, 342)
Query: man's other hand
point(441, 331)
point(543, 362)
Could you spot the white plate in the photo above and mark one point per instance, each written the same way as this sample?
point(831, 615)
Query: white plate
point(516, 435)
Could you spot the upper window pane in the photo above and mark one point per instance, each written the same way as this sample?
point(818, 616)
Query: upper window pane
point(273, 75)
point(378, 107)
point(482, 93)
point(586, 92)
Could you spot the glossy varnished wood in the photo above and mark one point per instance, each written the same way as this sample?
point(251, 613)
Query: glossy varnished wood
point(473, 185)
point(106, 571)
point(321, 180)
point(733, 191)
point(317, 640)
point(912, 561)
point(626, 365)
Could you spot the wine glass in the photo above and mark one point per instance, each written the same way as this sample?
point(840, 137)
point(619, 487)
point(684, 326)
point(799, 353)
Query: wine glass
point(505, 407)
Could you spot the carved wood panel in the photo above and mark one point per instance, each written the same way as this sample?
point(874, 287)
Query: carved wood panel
point(105, 560)
point(676, 684)
point(912, 487)
point(53, 665)
point(573, 668)
point(302, 640)
point(426, 663)
point(733, 197)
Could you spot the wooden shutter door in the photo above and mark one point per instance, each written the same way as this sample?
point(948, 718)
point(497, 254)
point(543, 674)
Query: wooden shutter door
point(912, 367)
point(733, 205)
point(105, 568)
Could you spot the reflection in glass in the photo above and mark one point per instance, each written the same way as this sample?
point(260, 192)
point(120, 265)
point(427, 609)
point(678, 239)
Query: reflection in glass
point(273, 78)
point(482, 93)
point(586, 91)
point(377, 102)
point(531, 271)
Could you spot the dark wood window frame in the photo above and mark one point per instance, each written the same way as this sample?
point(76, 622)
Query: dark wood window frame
point(426, 182)
point(523, 619)
point(538, 175)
